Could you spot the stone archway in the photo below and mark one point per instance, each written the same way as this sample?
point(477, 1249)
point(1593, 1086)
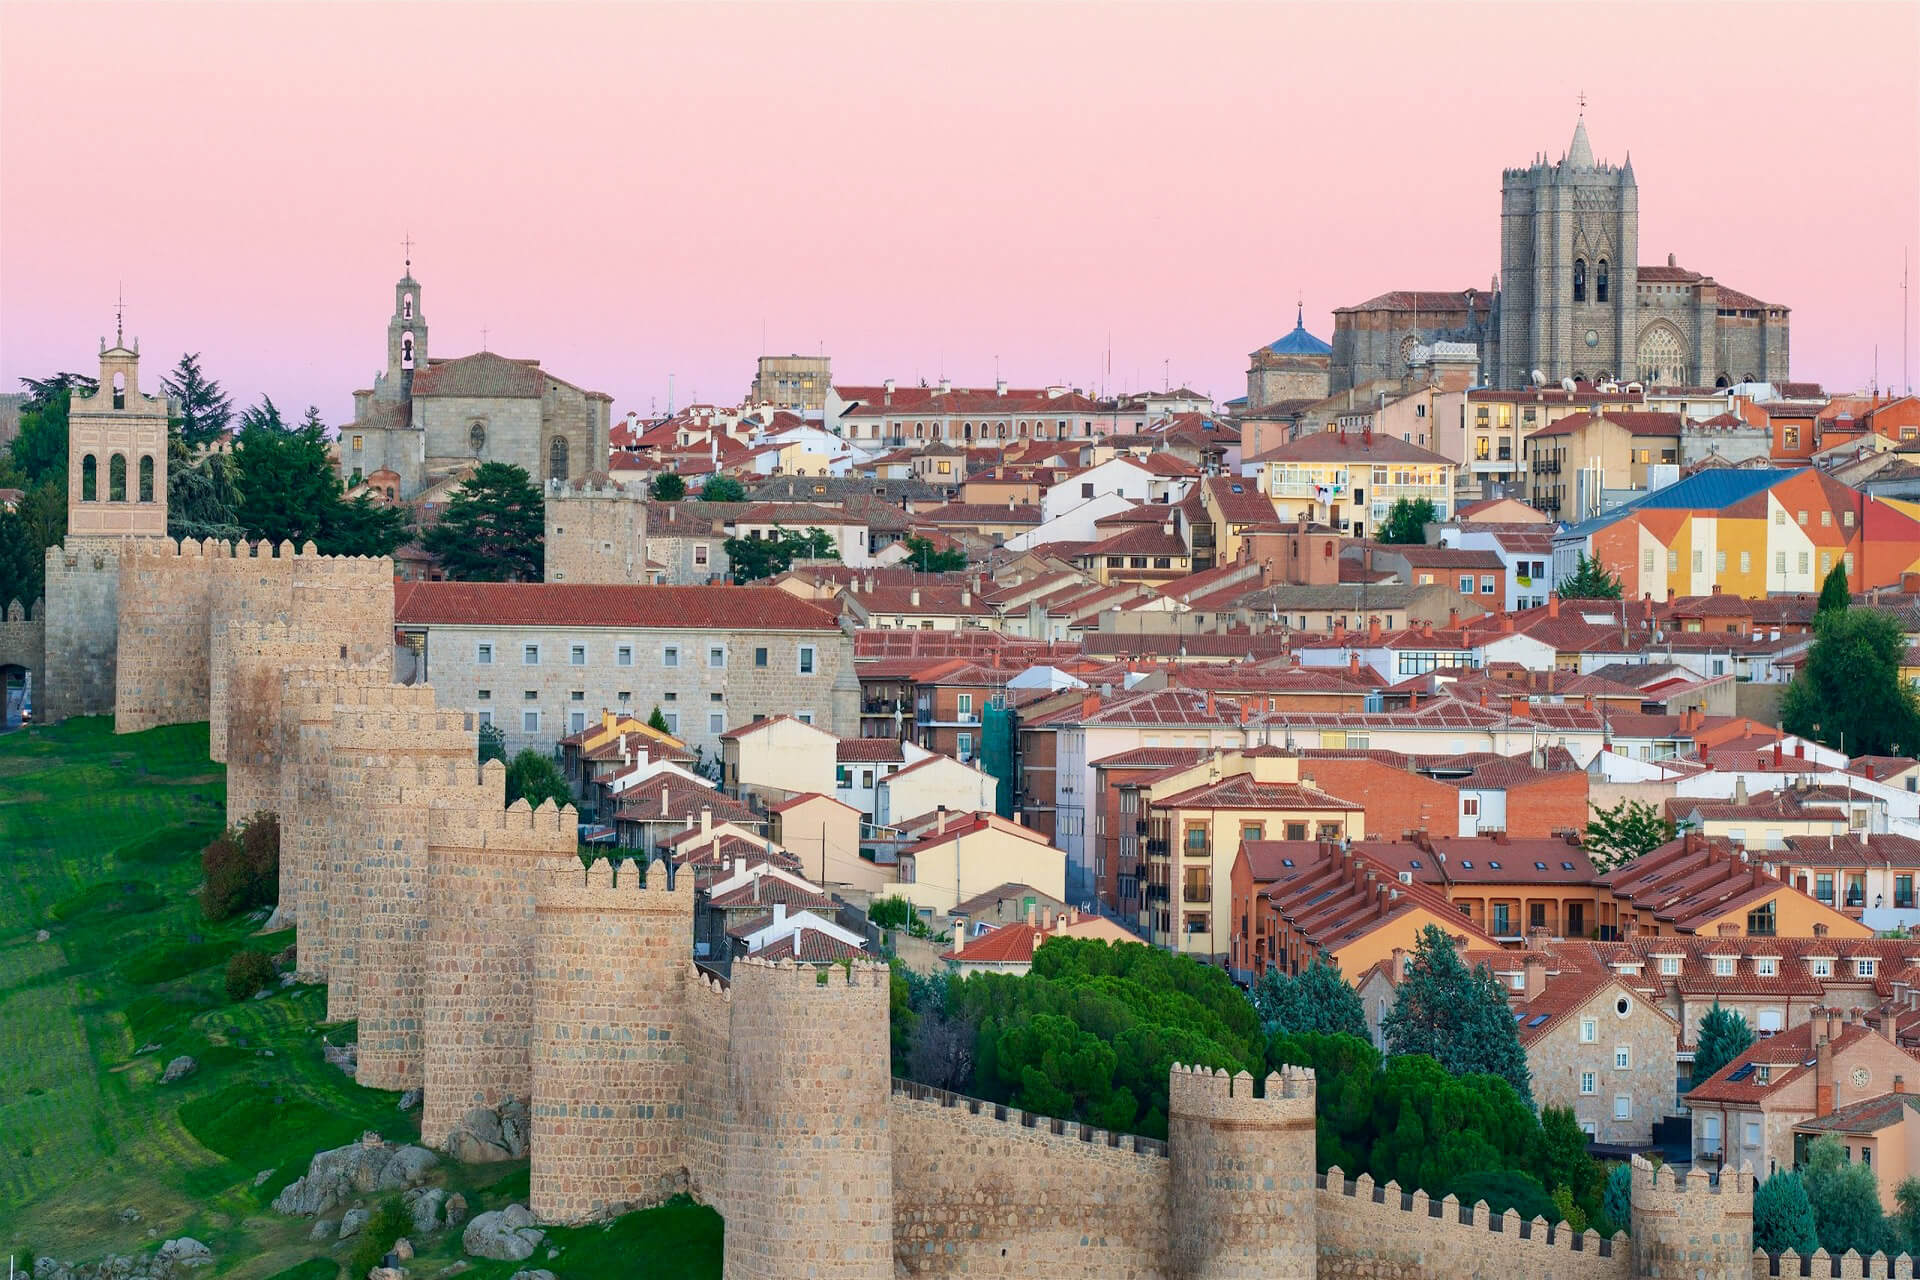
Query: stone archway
point(1661, 355)
point(23, 664)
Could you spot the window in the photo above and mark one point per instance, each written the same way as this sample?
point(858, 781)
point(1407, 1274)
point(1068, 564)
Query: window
point(716, 655)
point(557, 459)
point(1790, 437)
point(1766, 966)
point(806, 659)
point(716, 722)
point(1903, 891)
point(1779, 562)
point(477, 439)
point(670, 656)
point(1673, 562)
point(359, 442)
point(1623, 1106)
point(1821, 968)
point(963, 748)
point(1753, 1133)
point(1579, 279)
point(485, 717)
point(1486, 584)
point(1761, 922)
point(1746, 562)
point(1863, 967)
point(1699, 561)
point(1502, 918)
point(673, 722)
point(1823, 887)
point(483, 654)
point(1723, 966)
point(577, 655)
point(1589, 1030)
point(623, 655)
point(485, 695)
point(760, 656)
point(1646, 561)
point(576, 721)
point(1600, 281)
point(1622, 1057)
point(1589, 1083)
point(146, 479)
point(530, 721)
point(804, 717)
point(529, 655)
point(1802, 518)
point(1720, 561)
point(1466, 584)
point(1803, 562)
point(1669, 965)
point(531, 695)
point(625, 695)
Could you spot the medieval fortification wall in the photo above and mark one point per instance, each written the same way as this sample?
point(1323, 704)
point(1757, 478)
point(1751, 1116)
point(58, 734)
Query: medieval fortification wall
point(485, 965)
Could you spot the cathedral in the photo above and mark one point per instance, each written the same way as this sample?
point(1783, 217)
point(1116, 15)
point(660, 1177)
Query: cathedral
point(426, 420)
point(1572, 299)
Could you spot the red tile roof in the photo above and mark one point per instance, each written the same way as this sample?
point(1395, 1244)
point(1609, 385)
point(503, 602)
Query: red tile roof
point(810, 946)
point(1351, 446)
point(869, 750)
point(562, 604)
point(1634, 423)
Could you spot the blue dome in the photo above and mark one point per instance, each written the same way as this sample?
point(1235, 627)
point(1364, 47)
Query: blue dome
point(1300, 342)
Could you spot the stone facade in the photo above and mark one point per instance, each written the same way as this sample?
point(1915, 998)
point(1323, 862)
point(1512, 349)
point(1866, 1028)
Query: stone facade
point(632, 671)
point(117, 453)
point(23, 644)
point(1586, 1075)
point(83, 629)
point(799, 383)
point(596, 532)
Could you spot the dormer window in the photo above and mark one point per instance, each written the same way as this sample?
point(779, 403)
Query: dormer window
point(1821, 968)
point(1763, 1073)
point(1863, 966)
point(1723, 966)
point(1669, 965)
point(1766, 966)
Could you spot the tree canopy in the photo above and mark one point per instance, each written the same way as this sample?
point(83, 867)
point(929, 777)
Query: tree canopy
point(922, 556)
point(750, 559)
point(1320, 999)
point(1407, 520)
point(284, 488)
point(1845, 1197)
point(1618, 835)
point(1457, 1017)
point(1783, 1217)
point(1849, 689)
point(535, 778)
point(204, 409)
point(1723, 1036)
point(493, 530)
point(36, 463)
point(667, 487)
point(1589, 581)
point(723, 489)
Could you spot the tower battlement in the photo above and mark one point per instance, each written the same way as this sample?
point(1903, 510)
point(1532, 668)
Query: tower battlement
point(1208, 1093)
point(603, 886)
point(518, 828)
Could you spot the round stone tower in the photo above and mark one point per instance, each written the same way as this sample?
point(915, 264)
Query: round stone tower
point(608, 1047)
point(483, 864)
point(810, 1156)
point(1685, 1226)
point(1242, 1175)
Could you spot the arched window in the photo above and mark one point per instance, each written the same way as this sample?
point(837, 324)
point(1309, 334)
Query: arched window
point(1749, 377)
point(1600, 281)
point(117, 478)
point(406, 306)
point(146, 478)
point(406, 350)
point(477, 438)
point(1663, 356)
point(557, 459)
point(1720, 381)
point(1579, 279)
point(89, 479)
point(119, 390)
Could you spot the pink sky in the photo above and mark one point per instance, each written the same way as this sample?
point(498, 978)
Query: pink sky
point(631, 191)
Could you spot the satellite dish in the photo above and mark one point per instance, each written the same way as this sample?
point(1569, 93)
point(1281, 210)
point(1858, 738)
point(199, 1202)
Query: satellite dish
point(1569, 386)
point(1539, 378)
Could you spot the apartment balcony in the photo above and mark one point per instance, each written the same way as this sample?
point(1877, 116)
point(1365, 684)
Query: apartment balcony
point(1546, 466)
point(1140, 827)
point(1197, 895)
point(1156, 893)
point(1156, 847)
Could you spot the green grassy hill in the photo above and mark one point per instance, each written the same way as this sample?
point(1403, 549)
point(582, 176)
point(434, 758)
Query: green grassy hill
point(99, 846)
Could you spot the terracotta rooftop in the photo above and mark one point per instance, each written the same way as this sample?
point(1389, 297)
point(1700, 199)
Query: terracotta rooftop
point(556, 604)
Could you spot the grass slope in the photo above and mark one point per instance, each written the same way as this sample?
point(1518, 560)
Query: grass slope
point(99, 845)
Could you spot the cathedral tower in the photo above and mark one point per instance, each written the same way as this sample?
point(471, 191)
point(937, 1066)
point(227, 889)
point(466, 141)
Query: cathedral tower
point(1569, 249)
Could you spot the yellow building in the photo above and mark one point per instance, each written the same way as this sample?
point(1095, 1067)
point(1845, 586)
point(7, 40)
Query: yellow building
point(1350, 479)
point(1198, 818)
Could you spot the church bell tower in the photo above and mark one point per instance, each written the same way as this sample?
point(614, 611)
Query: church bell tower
point(406, 331)
point(117, 451)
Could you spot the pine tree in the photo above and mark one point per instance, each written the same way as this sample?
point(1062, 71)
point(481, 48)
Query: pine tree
point(1724, 1035)
point(204, 409)
point(1589, 581)
point(493, 530)
point(723, 489)
point(1407, 520)
point(658, 722)
point(1618, 835)
point(666, 487)
point(1845, 1197)
point(1460, 1019)
point(1783, 1217)
point(1319, 999)
point(1833, 592)
point(288, 488)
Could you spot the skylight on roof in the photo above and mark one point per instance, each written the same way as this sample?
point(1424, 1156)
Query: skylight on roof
point(1741, 1072)
point(1466, 864)
point(1494, 865)
point(1286, 862)
point(1566, 866)
point(1539, 866)
point(1414, 863)
point(1539, 1020)
point(1519, 1016)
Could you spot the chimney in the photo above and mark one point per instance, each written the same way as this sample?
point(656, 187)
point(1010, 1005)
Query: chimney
point(1210, 713)
point(1373, 631)
point(940, 820)
point(1536, 974)
point(1553, 604)
point(1836, 1022)
point(663, 799)
point(1089, 705)
point(1398, 965)
point(1899, 1084)
point(913, 597)
point(1517, 707)
point(1000, 387)
point(959, 937)
point(1739, 790)
point(779, 914)
point(1033, 917)
point(1453, 618)
point(1353, 663)
point(706, 820)
point(1246, 710)
point(1823, 1079)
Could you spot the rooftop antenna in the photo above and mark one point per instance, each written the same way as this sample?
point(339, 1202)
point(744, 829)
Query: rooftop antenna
point(120, 316)
point(1906, 375)
point(483, 337)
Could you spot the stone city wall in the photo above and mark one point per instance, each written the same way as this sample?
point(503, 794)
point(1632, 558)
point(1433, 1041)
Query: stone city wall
point(708, 1105)
point(987, 1190)
point(23, 643)
point(483, 865)
point(83, 628)
point(608, 1046)
point(1369, 1232)
point(810, 1153)
point(1242, 1173)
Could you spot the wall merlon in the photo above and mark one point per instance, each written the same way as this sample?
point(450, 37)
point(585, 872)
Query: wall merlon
point(608, 886)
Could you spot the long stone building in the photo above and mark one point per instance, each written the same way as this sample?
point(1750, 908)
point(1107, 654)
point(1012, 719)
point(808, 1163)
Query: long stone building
point(1573, 299)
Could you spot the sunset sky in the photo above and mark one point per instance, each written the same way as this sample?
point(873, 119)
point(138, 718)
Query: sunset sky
point(632, 191)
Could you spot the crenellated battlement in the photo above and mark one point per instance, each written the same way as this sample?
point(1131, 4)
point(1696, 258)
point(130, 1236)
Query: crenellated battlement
point(1441, 1216)
point(605, 885)
point(1664, 1179)
point(793, 977)
point(914, 1094)
point(517, 828)
point(1205, 1092)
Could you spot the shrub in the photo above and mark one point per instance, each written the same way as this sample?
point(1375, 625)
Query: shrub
point(891, 913)
point(389, 1222)
point(248, 972)
point(242, 868)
